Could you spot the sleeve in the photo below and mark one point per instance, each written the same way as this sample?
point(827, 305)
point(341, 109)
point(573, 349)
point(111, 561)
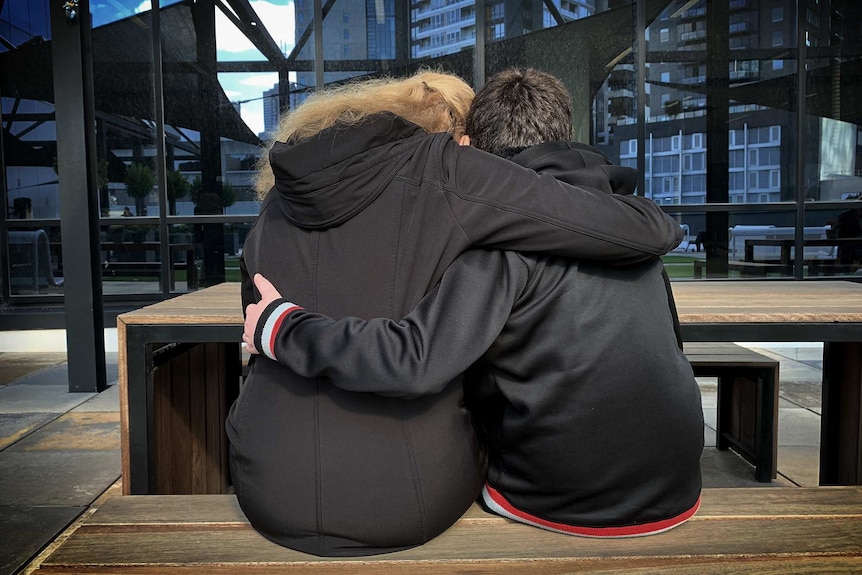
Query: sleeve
point(448, 330)
point(247, 292)
point(502, 205)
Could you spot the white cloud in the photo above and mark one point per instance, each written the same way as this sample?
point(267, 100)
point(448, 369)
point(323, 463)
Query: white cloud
point(260, 80)
point(252, 113)
point(279, 21)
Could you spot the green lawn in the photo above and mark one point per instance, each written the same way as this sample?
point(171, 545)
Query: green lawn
point(679, 265)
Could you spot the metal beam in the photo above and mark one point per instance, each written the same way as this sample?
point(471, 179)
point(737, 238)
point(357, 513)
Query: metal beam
point(319, 80)
point(479, 50)
point(254, 30)
point(79, 202)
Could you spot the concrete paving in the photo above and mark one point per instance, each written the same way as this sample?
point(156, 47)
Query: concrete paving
point(60, 451)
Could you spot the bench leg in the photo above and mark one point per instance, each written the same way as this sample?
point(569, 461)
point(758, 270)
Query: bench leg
point(765, 455)
point(841, 424)
point(733, 428)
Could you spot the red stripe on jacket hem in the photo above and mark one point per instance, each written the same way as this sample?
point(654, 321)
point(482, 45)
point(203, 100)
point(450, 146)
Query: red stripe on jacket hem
point(498, 503)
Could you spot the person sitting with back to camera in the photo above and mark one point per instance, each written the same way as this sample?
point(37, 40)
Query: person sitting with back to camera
point(366, 200)
point(590, 409)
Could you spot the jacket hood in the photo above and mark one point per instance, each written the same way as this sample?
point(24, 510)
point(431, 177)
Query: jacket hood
point(579, 165)
point(326, 179)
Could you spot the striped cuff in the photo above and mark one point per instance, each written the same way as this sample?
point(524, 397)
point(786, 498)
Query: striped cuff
point(269, 323)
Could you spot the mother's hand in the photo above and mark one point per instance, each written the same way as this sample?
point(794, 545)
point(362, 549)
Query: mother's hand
point(268, 294)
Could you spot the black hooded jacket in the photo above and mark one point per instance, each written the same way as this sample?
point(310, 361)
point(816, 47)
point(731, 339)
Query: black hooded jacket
point(363, 221)
point(592, 413)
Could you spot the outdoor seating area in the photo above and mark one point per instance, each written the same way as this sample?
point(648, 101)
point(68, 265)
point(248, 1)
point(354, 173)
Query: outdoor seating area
point(41, 419)
point(761, 251)
point(641, 179)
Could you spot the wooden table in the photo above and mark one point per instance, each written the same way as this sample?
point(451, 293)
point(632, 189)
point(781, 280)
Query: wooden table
point(179, 368)
point(822, 311)
point(817, 264)
point(186, 248)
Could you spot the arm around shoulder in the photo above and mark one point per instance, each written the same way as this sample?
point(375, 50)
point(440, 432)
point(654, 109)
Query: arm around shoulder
point(500, 204)
point(447, 332)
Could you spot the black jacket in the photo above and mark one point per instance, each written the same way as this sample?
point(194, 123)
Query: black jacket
point(593, 416)
point(363, 221)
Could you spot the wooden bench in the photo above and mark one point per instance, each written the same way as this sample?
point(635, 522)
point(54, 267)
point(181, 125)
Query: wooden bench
point(747, 268)
point(816, 267)
point(747, 418)
point(764, 530)
point(113, 264)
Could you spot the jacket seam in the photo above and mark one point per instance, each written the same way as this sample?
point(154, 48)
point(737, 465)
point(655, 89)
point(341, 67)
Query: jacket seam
point(417, 480)
point(321, 537)
point(419, 182)
point(395, 251)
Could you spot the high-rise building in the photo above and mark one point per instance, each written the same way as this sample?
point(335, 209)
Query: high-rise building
point(760, 37)
point(271, 109)
point(358, 30)
point(442, 27)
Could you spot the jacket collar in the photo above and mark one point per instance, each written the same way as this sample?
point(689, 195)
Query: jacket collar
point(579, 165)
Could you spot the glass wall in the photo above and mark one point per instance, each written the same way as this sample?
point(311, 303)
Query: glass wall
point(30, 238)
point(739, 116)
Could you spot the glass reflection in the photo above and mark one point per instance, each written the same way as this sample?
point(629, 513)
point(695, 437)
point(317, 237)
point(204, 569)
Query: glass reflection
point(35, 264)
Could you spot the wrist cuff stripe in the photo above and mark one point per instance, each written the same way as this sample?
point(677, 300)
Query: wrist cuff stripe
point(272, 325)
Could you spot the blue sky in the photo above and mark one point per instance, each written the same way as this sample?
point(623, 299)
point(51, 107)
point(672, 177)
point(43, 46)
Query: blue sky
point(231, 44)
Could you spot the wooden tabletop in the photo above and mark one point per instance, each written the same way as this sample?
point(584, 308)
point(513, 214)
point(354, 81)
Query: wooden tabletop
point(216, 305)
point(697, 302)
point(773, 302)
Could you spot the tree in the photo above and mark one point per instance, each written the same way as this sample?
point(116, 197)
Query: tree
point(178, 187)
point(228, 195)
point(209, 203)
point(140, 180)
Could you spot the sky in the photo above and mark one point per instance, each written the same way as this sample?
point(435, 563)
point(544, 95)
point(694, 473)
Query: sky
point(231, 44)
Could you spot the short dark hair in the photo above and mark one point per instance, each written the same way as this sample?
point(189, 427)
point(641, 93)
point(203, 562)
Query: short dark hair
point(517, 109)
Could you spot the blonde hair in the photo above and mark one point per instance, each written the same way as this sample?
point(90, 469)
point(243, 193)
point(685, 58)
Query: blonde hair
point(435, 101)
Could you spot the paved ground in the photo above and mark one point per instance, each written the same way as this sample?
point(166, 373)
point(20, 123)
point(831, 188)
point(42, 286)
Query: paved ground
point(60, 451)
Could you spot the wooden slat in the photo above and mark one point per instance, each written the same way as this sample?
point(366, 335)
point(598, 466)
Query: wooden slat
point(693, 565)
point(215, 428)
point(473, 542)
point(198, 456)
point(162, 427)
point(716, 354)
point(716, 502)
point(465, 544)
point(180, 440)
point(763, 530)
point(719, 348)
